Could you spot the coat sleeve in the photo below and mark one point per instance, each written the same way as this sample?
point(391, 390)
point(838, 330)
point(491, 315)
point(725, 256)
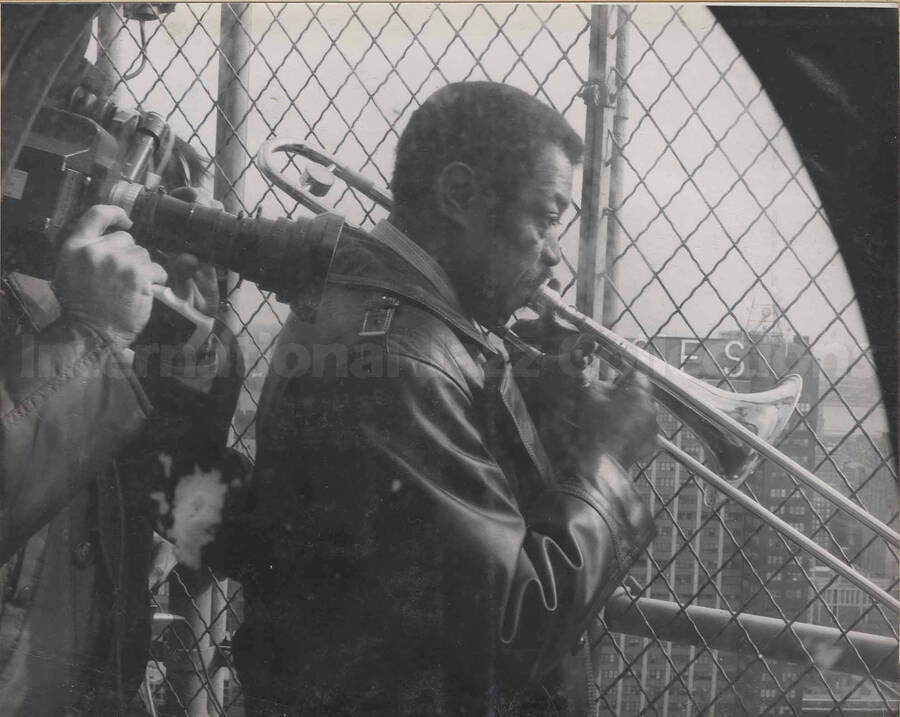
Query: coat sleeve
point(68, 402)
point(541, 571)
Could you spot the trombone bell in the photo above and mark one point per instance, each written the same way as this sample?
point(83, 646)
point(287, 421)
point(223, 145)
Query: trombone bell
point(765, 413)
point(705, 409)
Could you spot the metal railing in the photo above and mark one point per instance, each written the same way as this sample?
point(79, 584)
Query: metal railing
point(702, 236)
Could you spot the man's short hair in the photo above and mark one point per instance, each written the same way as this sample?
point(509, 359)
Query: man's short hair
point(496, 129)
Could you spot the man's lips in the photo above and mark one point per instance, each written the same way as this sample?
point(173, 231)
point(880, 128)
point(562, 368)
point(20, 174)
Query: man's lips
point(527, 289)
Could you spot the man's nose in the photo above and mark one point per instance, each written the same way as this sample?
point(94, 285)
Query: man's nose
point(551, 254)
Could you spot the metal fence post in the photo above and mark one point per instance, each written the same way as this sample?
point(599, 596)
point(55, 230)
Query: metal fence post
point(595, 184)
point(233, 101)
point(205, 608)
point(620, 124)
point(111, 46)
point(192, 648)
point(233, 105)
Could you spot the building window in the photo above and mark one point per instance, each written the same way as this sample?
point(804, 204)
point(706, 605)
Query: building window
point(663, 481)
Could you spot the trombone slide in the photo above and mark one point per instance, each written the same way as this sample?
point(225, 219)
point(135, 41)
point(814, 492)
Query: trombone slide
point(621, 352)
point(786, 529)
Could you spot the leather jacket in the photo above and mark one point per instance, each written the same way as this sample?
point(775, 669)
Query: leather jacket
point(410, 550)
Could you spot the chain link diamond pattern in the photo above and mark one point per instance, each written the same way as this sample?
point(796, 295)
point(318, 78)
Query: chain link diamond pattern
point(718, 232)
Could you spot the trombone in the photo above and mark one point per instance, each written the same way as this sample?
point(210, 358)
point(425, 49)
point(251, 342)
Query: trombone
point(738, 429)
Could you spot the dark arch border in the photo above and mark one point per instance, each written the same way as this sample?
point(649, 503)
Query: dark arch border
point(831, 73)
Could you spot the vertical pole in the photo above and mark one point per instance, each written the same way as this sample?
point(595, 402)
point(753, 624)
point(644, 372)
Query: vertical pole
point(620, 127)
point(233, 100)
point(203, 606)
point(111, 40)
point(595, 183)
point(620, 683)
point(192, 645)
point(205, 613)
point(218, 591)
point(233, 103)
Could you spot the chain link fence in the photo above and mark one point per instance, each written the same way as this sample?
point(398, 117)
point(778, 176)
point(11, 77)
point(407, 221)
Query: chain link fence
point(718, 257)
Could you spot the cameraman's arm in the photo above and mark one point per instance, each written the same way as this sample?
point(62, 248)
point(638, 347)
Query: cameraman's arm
point(68, 401)
point(194, 394)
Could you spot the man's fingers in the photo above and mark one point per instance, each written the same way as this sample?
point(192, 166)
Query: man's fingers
point(205, 276)
point(156, 274)
point(182, 268)
point(149, 271)
point(95, 222)
point(640, 381)
point(636, 388)
point(193, 280)
point(631, 380)
point(117, 241)
point(583, 353)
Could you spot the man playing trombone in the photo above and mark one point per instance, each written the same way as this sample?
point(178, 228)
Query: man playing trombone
point(413, 550)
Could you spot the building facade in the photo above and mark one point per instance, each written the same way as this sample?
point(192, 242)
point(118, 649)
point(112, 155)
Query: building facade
point(714, 554)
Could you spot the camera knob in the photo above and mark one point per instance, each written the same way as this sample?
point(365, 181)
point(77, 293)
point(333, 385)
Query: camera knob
point(153, 124)
point(125, 194)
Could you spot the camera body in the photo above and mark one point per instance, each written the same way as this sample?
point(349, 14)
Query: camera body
point(67, 163)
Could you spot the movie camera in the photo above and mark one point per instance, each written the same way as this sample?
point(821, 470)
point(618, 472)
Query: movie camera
point(85, 150)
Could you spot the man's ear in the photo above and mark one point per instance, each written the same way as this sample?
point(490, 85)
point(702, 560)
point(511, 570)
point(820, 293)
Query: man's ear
point(455, 188)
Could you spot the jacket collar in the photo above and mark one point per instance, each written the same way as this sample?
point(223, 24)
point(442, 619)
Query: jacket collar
point(387, 259)
point(419, 259)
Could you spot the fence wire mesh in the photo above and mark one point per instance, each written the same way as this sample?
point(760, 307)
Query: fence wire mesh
point(718, 257)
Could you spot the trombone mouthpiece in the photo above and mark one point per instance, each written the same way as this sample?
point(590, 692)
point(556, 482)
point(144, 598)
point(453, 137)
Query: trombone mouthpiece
point(545, 298)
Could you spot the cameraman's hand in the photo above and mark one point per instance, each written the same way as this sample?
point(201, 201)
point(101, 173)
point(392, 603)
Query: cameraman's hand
point(618, 420)
point(103, 278)
point(191, 280)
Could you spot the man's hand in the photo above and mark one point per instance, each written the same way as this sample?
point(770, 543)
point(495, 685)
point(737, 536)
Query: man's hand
point(192, 281)
point(618, 420)
point(562, 345)
point(580, 419)
point(103, 278)
point(195, 283)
